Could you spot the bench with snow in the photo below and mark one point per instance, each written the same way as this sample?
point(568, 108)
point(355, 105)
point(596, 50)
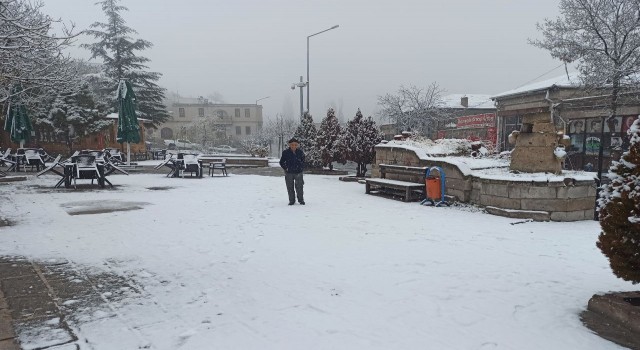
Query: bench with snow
point(409, 190)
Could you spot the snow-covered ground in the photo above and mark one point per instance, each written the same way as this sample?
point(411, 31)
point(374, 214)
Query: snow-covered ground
point(225, 263)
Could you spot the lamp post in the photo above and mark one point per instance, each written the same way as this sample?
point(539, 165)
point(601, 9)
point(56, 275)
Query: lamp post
point(260, 99)
point(326, 30)
point(301, 85)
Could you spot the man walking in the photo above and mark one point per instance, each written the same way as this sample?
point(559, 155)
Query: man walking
point(292, 161)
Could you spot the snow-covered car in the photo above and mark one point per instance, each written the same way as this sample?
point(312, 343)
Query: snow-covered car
point(224, 149)
point(182, 144)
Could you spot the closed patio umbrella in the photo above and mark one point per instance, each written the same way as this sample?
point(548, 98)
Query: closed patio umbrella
point(17, 122)
point(128, 128)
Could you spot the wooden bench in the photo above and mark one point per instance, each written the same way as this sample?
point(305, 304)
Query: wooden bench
point(407, 189)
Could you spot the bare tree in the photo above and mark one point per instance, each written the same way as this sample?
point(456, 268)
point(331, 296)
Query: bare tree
point(29, 54)
point(603, 38)
point(413, 108)
point(281, 128)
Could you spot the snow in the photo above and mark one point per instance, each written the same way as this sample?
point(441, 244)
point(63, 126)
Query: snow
point(571, 81)
point(225, 261)
point(477, 101)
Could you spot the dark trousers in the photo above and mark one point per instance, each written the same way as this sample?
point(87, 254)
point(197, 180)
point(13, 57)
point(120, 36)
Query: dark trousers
point(294, 181)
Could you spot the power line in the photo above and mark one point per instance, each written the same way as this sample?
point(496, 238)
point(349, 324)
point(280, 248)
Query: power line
point(541, 75)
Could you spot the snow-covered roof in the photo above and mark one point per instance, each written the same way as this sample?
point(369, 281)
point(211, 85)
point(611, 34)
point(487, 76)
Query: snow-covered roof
point(475, 101)
point(570, 81)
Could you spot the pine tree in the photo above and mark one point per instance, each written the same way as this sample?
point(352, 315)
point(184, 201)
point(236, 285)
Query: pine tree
point(307, 134)
point(117, 50)
point(73, 116)
point(619, 212)
point(358, 142)
point(327, 139)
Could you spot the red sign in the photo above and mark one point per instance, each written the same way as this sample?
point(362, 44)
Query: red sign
point(441, 134)
point(476, 121)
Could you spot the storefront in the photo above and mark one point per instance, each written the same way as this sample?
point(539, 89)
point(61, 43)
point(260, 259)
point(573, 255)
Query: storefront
point(585, 134)
point(479, 127)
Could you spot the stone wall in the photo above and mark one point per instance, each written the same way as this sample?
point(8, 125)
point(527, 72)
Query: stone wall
point(563, 200)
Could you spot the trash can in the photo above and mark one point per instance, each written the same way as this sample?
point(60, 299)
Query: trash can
point(432, 184)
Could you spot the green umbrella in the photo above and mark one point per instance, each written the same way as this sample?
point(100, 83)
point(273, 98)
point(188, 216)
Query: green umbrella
point(17, 122)
point(128, 128)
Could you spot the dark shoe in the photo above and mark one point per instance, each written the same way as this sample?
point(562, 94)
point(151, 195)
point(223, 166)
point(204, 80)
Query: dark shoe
point(301, 202)
point(292, 203)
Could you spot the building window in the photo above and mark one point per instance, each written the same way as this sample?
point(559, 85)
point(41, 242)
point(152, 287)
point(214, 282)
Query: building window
point(247, 130)
point(247, 113)
point(512, 123)
point(200, 112)
point(237, 112)
point(181, 112)
point(238, 130)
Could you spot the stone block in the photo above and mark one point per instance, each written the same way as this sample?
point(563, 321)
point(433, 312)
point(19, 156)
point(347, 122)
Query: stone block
point(581, 204)
point(520, 214)
point(571, 192)
point(500, 202)
point(535, 159)
point(460, 195)
point(592, 191)
point(537, 140)
point(542, 192)
point(567, 215)
point(616, 309)
point(459, 184)
point(551, 205)
point(536, 118)
point(518, 190)
point(498, 190)
point(545, 127)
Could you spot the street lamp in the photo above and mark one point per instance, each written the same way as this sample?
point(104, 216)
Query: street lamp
point(301, 85)
point(260, 99)
point(326, 30)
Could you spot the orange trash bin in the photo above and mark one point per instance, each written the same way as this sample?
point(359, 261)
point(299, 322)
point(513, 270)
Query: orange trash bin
point(432, 184)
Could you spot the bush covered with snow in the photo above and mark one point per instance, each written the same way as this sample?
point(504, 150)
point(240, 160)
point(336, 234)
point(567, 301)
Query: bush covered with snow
point(619, 212)
point(440, 147)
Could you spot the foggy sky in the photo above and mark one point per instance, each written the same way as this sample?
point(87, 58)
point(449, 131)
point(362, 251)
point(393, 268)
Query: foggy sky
point(249, 49)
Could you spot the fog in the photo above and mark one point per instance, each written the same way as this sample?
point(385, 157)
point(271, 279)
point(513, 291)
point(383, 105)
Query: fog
point(249, 49)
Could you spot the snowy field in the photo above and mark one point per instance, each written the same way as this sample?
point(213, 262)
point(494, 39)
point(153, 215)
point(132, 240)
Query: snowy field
point(226, 264)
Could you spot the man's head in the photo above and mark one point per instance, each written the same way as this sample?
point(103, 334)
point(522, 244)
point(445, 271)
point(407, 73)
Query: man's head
point(293, 144)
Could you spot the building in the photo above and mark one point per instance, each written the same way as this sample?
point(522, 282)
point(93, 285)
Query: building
point(470, 117)
point(577, 112)
point(57, 144)
point(205, 123)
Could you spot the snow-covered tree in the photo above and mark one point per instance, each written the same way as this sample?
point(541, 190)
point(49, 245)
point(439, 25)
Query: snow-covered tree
point(327, 138)
point(358, 142)
point(257, 145)
point(619, 212)
point(30, 55)
point(118, 52)
point(413, 108)
point(602, 37)
point(73, 116)
point(306, 133)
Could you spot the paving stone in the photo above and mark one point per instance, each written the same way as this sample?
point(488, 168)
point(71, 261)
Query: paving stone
point(6, 329)
point(19, 269)
point(23, 286)
point(9, 344)
point(43, 333)
point(31, 307)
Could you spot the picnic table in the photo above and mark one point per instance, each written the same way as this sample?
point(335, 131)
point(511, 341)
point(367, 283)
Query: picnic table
point(86, 165)
point(26, 157)
point(181, 164)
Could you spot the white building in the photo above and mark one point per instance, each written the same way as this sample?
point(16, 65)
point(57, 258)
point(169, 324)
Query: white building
point(201, 122)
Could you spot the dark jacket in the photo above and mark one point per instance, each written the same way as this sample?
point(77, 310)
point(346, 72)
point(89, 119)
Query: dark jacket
point(292, 162)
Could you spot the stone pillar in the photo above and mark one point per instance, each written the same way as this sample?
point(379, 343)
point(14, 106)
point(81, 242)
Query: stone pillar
point(535, 145)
